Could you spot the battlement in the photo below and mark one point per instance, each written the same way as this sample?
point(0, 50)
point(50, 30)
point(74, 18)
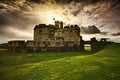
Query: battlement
point(50, 38)
point(55, 38)
point(16, 46)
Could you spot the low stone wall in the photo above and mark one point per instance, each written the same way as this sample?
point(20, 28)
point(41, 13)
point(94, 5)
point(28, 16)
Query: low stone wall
point(16, 46)
point(42, 46)
point(58, 46)
point(97, 46)
point(30, 46)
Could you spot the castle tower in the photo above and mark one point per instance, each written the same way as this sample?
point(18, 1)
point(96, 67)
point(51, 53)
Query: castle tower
point(61, 24)
point(57, 24)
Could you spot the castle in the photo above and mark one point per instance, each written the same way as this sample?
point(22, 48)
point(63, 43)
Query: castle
point(52, 38)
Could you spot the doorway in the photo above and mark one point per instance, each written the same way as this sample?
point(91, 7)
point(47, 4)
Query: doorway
point(87, 47)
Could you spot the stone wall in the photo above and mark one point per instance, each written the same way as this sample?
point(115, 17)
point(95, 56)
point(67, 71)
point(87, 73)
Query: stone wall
point(43, 32)
point(50, 38)
point(30, 46)
point(16, 46)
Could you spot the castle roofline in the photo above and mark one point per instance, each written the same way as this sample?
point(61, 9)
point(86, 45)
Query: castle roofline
point(16, 41)
point(39, 26)
point(72, 26)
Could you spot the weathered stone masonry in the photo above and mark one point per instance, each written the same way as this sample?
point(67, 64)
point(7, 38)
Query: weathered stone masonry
point(50, 38)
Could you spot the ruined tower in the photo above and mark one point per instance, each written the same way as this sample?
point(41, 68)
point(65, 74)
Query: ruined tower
point(57, 24)
point(52, 38)
point(57, 36)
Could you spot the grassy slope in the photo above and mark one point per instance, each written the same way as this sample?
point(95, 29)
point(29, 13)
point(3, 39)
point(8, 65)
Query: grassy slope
point(103, 65)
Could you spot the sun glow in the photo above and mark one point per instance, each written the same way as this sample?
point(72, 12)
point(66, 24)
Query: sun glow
point(51, 16)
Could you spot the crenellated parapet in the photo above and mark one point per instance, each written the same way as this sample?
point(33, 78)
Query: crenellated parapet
point(16, 46)
point(50, 38)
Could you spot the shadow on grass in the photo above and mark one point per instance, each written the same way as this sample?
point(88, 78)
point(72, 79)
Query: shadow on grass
point(103, 65)
point(10, 58)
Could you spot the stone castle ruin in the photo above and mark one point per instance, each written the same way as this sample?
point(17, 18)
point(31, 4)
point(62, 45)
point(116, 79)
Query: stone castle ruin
point(52, 38)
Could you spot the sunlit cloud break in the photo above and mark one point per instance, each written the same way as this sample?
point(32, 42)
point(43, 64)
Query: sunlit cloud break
point(20, 16)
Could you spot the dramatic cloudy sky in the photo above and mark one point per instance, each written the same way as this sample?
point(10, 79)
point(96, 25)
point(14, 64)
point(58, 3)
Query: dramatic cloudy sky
point(18, 17)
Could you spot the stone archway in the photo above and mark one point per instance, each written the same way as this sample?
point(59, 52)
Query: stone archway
point(87, 46)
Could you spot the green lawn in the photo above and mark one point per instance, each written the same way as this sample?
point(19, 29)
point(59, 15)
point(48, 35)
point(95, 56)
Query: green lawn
point(103, 65)
point(88, 48)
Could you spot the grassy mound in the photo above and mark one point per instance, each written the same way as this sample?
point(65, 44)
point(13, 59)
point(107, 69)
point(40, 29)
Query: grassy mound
point(103, 65)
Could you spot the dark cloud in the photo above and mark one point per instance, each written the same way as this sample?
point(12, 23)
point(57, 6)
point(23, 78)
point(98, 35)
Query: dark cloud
point(90, 30)
point(13, 22)
point(64, 1)
point(43, 1)
point(22, 15)
point(14, 19)
point(7, 0)
point(3, 20)
point(116, 34)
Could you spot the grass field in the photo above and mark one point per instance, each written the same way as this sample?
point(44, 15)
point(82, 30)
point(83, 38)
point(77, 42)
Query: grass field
point(103, 65)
